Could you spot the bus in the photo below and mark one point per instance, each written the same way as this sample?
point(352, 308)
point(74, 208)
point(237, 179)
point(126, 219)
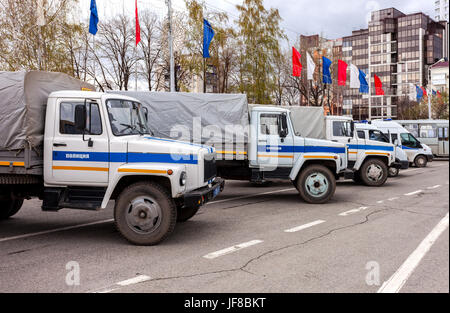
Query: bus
point(433, 133)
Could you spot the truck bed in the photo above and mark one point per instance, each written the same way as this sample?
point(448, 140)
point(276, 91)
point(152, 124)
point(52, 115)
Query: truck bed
point(23, 162)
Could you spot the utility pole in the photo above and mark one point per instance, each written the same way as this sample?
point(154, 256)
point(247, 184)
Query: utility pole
point(172, 61)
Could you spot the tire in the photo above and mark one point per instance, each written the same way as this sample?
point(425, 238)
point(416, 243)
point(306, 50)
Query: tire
point(186, 213)
point(420, 161)
point(393, 172)
point(9, 207)
point(307, 180)
point(145, 214)
point(374, 172)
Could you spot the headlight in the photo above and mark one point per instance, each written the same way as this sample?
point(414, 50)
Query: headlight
point(183, 179)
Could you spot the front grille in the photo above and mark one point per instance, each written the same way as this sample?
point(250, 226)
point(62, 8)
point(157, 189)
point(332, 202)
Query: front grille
point(210, 169)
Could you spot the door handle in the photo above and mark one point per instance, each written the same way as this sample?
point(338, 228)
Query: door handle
point(59, 144)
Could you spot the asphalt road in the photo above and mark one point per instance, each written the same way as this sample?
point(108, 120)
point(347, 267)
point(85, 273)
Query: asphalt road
point(273, 242)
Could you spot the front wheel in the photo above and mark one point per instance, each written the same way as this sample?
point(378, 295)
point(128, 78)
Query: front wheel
point(374, 172)
point(9, 207)
point(420, 161)
point(316, 184)
point(393, 172)
point(145, 214)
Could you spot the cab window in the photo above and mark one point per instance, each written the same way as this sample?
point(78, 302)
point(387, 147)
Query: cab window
point(341, 129)
point(270, 124)
point(67, 119)
point(377, 136)
point(409, 140)
point(361, 134)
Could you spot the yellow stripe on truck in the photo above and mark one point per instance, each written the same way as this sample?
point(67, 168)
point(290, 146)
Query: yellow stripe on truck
point(6, 163)
point(137, 170)
point(275, 156)
point(319, 157)
point(81, 168)
point(231, 152)
point(377, 153)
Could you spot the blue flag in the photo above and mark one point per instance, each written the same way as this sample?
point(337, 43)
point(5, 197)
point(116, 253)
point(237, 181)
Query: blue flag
point(326, 71)
point(93, 21)
point(208, 34)
point(433, 92)
point(363, 85)
point(419, 92)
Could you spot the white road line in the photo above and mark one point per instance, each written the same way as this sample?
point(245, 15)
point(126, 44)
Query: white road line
point(106, 290)
point(434, 187)
point(413, 193)
point(232, 249)
point(54, 230)
point(251, 196)
point(134, 280)
point(379, 202)
point(393, 198)
point(301, 227)
point(396, 281)
point(353, 211)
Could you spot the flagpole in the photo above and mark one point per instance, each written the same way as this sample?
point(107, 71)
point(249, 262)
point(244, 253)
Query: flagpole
point(135, 69)
point(172, 61)
point(93, 55)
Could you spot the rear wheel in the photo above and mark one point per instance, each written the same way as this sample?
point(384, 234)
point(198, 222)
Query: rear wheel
point(316, 184)
point(145, 214)
point(374, 172)
point(185, 213)
point(9, 207)
point(393, 172)
point(420, 161)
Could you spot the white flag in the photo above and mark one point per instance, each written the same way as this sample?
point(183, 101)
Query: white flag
point(412, 93)
point(40, 13)
point(311, 66)
point(354, 76)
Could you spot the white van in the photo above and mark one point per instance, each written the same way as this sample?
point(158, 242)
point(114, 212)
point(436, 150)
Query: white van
point(366, 130)
point(418, 153)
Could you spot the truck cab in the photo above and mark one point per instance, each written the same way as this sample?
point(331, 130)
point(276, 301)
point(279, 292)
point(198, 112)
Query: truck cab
point(418, 153)
point(97, 148)
point(367, 130)
point(276, 150)
point(370, 159)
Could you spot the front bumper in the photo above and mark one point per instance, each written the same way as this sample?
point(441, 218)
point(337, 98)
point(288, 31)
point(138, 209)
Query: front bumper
point(401, 165)
point(205, 194)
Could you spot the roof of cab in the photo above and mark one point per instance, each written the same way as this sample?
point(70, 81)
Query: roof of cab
point(88, 94)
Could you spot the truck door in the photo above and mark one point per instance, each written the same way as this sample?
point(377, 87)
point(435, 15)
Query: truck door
point(275, 141)
point(443, 141)
point(80, 158)
point(341, 132)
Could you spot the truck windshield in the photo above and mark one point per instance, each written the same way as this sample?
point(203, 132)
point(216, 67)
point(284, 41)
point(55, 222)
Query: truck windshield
point(126, 117)
point(342, 129)
point(409, 140)
point(378, 136)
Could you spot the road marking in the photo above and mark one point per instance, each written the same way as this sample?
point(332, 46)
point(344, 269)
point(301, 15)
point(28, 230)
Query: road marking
point(54, 230)
point(413, 193)
point(399, 278)
point(134, 280)
point(393, 198)
point(379, 202)
point(434, 187)
point(301, 227)
point(353, 211)
point(251, 196)
point(232, 249)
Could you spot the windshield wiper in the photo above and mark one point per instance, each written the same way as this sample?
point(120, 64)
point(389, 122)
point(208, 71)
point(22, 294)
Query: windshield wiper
point(132, 127)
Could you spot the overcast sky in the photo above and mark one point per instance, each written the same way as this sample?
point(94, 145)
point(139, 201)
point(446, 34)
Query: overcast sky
point(331, 18)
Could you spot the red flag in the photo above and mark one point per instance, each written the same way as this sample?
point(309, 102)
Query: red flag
point(138, 27)
point(378, 86)
point(424, 91)
point(342, 73)
point(296, 65)
point(439, 95)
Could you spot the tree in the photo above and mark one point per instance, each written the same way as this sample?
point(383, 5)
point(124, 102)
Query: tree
point(259, 34)
point(439, 106)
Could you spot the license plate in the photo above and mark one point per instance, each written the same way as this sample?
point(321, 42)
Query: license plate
point(216, 191)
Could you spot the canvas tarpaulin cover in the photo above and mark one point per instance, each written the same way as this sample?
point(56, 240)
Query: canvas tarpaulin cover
point(217, 114)
point(23, 99)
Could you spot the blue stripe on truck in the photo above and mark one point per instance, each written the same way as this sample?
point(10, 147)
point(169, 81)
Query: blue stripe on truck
point(301, 149)
point(370, 147)
point(119, 157)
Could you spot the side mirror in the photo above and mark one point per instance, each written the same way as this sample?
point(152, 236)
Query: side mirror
point(80, 117)
point(283, 126)
point(146, 114)
point(352, 128)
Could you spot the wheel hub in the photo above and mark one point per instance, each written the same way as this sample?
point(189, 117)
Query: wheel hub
point(316, 184)
point(374, 172)
point(143, 215)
